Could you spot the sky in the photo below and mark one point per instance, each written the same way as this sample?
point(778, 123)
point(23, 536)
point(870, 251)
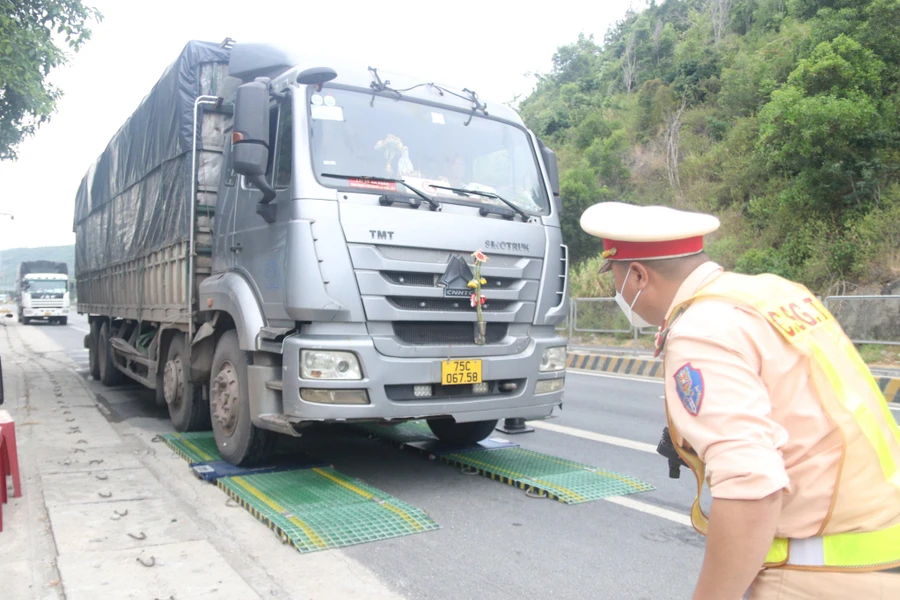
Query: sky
point(489, 46)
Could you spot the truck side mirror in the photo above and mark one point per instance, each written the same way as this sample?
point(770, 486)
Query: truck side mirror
point(553, 172)
point(250, 139)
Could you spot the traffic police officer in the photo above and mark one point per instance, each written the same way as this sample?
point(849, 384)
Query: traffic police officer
point(769, 403)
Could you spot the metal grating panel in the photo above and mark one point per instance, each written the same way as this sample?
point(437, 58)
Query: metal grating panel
point(198, 446)
point(320, 509)
point(538, 474)
point(310, 508)
point(557, 478)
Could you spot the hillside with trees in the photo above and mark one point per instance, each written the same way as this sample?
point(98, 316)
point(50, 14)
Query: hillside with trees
point(12, 257)
point(779, 116)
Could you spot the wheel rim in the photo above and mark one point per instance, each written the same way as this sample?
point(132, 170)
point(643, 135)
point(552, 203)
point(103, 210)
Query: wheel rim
point(173, 382)
point(226, 398)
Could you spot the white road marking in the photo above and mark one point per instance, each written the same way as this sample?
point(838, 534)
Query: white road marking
point(596, 437)
point(610, 376)
point(894, 408)
point(663, 513)
point(79, 329)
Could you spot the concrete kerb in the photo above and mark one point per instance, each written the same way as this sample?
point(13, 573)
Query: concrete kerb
point(644, 366)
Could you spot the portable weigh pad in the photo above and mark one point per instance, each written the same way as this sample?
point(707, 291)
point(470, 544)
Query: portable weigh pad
point(557, 478)
point(536, 473)
point(319, 508)
point(193, 447)
point(310, 507)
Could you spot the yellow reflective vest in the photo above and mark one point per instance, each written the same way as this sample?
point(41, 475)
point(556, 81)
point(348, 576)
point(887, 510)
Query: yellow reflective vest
point(868, 486)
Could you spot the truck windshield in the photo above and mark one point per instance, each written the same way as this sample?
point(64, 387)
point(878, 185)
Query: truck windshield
point(351, 135)
point(46, 286)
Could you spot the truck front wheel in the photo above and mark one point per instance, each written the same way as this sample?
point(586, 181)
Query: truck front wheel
point(109, 374)
point(188, 410)
point(448, 430)
point(240, 442)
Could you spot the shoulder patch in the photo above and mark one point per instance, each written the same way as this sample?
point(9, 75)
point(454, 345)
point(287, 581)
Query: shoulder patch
point(689, 386)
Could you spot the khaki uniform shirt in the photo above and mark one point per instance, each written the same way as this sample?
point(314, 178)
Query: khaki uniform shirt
point(742, 398)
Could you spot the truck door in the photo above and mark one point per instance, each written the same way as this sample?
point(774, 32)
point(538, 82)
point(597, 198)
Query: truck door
point(223, 231)
point(258, 246)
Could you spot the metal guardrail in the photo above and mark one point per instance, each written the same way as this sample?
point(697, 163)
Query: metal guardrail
point(599, 315)
point(865, 319)
point(868, 319)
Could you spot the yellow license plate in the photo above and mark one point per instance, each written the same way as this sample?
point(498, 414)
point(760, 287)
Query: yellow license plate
point(461, 372)
point(47, 314)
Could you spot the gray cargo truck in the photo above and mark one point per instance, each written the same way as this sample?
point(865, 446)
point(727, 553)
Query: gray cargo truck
point(271, 242)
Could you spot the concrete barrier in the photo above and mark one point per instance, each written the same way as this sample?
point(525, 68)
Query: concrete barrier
point(645, 366)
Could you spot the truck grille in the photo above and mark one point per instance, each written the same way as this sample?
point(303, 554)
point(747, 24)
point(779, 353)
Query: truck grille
point(437, 333)
point(431, 280)
point(55, 303)
point(447, 304)
point(422, 294)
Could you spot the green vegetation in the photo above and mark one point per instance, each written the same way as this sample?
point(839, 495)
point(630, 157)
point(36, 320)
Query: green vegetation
point(10, 259)
point(34, 38)
point(779, 116)
point(874, 354)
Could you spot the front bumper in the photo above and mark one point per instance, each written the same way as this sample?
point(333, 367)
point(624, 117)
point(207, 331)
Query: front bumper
point(43, 313)
point(385, 379)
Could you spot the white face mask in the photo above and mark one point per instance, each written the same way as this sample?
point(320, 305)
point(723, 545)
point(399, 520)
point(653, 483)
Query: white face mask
point(635, 319)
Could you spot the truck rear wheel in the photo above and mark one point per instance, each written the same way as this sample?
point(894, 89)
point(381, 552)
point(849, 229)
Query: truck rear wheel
point(187, 408)
point(109, 374)
point(93, 345)
point(239, 441)
point(448, 430)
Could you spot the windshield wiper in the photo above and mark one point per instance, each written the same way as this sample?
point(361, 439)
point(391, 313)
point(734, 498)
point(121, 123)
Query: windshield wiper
point(435, 205)
point(467, 192)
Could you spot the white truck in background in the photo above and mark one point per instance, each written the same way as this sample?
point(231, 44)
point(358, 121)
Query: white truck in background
point(42, 291)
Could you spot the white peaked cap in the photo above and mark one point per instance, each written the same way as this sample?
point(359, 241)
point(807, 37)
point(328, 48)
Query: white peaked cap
point(630, 232)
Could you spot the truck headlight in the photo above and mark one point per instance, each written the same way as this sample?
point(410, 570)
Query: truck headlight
point(554, 359)
point(325, 364)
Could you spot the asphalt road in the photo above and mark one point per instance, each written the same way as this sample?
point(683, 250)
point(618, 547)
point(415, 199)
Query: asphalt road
point(494, 541)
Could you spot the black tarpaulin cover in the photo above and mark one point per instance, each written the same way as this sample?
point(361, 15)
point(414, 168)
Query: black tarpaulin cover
point(42, 266)
point(134, 198)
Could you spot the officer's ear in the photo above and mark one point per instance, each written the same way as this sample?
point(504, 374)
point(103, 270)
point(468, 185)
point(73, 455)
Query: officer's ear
point(641, 275)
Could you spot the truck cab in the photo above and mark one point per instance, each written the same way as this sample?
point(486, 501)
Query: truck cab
point(42, 292)
point(347, 217)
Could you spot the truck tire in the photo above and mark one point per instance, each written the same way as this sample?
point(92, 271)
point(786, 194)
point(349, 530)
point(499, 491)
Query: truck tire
point(187, 408)
point(240, 442)
point(109, 374)
point(448, 430)
point(93, 359)
point(64, 321)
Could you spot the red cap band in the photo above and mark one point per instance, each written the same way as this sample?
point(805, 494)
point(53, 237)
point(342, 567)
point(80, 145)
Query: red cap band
point(648, 250)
